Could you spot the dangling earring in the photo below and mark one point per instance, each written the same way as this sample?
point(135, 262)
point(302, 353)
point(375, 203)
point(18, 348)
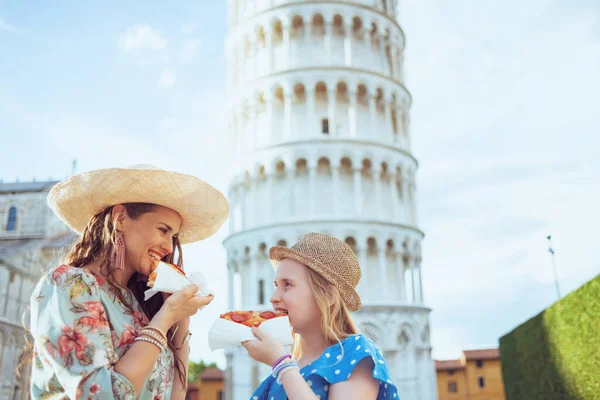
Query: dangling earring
point(118, 253)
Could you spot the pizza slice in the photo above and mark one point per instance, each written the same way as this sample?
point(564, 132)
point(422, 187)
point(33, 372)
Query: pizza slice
point(252, 318)
point(154, 273)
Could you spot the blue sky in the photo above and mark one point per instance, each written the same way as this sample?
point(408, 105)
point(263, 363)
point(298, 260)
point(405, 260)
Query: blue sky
point(504, 124)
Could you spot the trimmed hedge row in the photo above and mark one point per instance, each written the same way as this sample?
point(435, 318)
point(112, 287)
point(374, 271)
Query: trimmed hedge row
point(556, 354)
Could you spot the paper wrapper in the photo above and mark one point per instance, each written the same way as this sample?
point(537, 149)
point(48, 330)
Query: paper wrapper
point(168, 280)
point(225, 334)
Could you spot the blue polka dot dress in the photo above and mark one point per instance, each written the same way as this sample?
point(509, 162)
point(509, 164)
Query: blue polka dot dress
point(333, 367)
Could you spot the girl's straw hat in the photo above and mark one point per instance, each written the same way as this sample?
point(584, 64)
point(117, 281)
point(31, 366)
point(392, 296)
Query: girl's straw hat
point(203, 209)
point(330, 257)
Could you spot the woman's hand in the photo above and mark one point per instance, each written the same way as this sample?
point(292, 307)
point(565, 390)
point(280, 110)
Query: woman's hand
point(181, 305)
point(266, 349)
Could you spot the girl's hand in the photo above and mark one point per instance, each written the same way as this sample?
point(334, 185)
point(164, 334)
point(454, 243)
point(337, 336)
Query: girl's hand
point(266, 349)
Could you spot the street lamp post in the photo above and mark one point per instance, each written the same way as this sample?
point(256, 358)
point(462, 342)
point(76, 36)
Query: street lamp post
point(551, 251)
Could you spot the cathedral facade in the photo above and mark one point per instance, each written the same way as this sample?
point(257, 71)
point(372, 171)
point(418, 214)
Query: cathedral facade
point(31, 239)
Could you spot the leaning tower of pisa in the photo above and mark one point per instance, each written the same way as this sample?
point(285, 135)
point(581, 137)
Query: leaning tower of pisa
point(320, 133)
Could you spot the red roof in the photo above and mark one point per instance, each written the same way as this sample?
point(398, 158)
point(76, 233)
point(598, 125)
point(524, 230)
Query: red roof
point(484, 354)
point(445, 365)
point(211, 374)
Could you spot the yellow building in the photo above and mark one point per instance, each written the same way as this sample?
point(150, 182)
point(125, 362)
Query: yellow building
point(208, 387)
point(476, 376)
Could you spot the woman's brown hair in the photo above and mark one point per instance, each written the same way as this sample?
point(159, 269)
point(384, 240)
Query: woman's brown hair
point(97, 243)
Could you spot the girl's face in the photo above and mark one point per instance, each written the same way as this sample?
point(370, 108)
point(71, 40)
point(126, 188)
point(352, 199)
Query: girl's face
point(149, 237)
point(294, 295)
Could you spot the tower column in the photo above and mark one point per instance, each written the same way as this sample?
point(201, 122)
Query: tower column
point(400, 274)
point(310, 110)
point(251, 199)
point(331, 108)
point(253, 118)
point(268, 134)
point(287, 118)
point(413, 281)
point(335, 176)
point(348, 43)
point(358, 200)
point(383, 279)
point(395, 202)
point(269, 195)
point(381, 48)
point(269, 48)
point(372, 98)
point(286, 45)
point(352, 112)
point(419, 278)
point(312, 184)
point(387, 127)
point(362, 249)
point(327, 38)
point(377, 183)
point(252, 55)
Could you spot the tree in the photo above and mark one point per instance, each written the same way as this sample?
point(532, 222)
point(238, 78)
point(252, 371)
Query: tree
point(197, 368)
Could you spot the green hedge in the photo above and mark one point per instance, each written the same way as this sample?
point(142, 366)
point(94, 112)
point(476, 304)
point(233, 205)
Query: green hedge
point(556, 354)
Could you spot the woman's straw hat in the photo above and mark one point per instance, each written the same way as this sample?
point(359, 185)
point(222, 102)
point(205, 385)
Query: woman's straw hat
point(203, 209)
point(330, 257)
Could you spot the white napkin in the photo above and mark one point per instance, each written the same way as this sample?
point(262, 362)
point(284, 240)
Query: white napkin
point(170, 281)
point(224, 333)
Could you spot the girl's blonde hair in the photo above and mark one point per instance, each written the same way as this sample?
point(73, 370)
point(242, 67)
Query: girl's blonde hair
point(336, 322)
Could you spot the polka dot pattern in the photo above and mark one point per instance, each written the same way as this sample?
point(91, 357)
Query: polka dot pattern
point(335, 366)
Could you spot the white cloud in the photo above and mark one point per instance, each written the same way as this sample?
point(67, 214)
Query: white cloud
point(141, 37)
point(167, 79)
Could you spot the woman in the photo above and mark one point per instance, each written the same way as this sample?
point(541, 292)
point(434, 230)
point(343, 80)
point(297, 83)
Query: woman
point(94, 336)
point(315, 282)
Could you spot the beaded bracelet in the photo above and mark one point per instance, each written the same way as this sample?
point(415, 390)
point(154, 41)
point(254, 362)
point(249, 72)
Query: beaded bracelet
point(283, 366)
point(284, 370)
point(157, 330)
point(280, 359)
point(152, 334)
point(149, 340)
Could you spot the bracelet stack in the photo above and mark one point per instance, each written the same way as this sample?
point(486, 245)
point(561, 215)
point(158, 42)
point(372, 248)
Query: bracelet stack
point(284, 364)
point(153, 335)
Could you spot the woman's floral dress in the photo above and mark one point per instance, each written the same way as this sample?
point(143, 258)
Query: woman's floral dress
point(80, 330)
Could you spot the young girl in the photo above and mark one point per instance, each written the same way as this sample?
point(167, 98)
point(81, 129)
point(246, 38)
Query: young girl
point(315, 282)
point(94, 335)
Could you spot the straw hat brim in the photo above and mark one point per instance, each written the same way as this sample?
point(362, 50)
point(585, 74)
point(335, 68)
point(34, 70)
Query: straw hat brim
point(202, 208)
point(350, 295)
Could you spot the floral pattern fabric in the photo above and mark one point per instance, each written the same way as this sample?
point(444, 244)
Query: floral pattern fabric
point(80, 330)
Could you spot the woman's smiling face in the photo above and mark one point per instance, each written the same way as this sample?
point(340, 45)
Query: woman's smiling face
point(149, 237)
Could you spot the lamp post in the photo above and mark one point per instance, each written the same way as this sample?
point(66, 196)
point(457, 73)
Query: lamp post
point(551, 251)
